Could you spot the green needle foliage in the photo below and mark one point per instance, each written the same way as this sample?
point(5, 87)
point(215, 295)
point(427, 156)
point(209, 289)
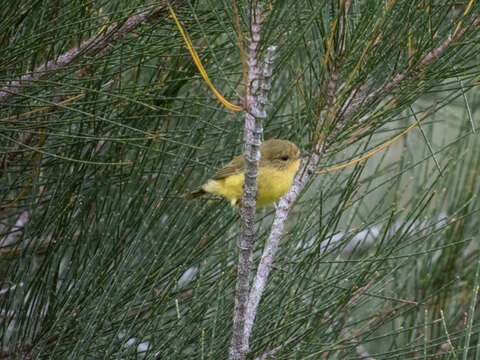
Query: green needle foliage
point(101, 257)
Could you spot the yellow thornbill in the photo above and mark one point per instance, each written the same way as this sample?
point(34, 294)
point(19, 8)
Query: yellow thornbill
point(279, 161)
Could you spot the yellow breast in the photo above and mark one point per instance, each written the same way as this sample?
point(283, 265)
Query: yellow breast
point(272, 184)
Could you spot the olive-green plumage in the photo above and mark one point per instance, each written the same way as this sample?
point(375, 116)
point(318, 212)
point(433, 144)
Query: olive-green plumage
point(279, 161)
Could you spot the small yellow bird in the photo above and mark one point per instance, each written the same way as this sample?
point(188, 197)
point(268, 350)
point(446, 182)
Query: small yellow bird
point(279, 161)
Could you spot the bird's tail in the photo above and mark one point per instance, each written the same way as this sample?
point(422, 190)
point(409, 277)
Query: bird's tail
point(195, 194)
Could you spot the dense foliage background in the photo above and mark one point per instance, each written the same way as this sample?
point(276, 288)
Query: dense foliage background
point(102, 257)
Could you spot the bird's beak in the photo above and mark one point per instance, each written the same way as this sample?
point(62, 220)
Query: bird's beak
point(304, 154)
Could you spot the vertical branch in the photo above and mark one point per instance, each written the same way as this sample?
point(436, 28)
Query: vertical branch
point(271, 245)
point(253, 139)
point(263, 99)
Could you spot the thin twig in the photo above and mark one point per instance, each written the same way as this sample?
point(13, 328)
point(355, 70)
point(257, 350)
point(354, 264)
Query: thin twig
point(95, 45)
point(279, 348)
point(397, 79)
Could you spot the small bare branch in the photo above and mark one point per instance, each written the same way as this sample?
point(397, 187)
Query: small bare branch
point(397, 79)
point(88, 48)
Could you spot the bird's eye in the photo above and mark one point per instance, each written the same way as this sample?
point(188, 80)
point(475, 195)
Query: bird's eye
point(284, 158)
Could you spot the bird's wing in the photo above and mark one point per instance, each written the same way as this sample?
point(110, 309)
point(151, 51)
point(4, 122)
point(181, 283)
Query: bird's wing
point(234, 167)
